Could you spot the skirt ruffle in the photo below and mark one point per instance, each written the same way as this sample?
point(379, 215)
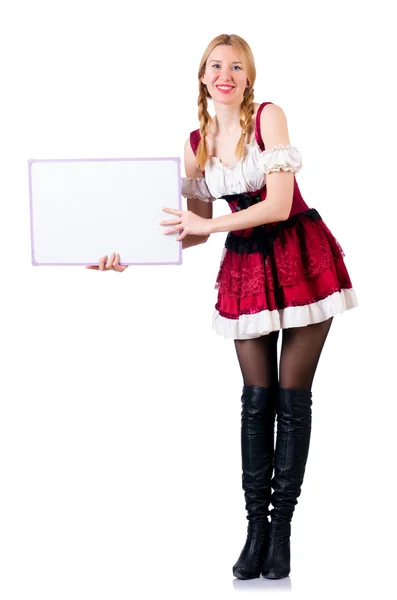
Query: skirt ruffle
point(289, 274)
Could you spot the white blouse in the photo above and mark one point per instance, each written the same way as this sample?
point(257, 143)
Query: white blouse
point(248, 175)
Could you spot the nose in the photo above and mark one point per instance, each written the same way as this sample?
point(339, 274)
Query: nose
point(225, 75)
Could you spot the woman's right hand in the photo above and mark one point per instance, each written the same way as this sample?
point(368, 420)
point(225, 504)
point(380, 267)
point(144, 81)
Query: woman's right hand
point(109, 265)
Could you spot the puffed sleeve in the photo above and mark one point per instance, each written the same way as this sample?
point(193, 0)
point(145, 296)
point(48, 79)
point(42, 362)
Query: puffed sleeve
point(196, 187)
point(287, 158)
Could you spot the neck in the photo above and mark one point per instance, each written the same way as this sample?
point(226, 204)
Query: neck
point(227, 118)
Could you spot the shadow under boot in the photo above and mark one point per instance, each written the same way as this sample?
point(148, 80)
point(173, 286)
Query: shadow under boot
point(257, 452)
point(294, 418)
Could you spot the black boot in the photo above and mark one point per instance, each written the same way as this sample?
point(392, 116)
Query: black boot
point(294, 416)
point(257, 451)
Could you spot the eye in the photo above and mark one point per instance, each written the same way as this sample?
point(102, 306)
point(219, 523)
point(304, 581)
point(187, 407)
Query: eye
point(234, 66)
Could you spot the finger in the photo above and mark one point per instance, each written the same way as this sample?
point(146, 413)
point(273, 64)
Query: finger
point(102, 263)
point(109, 263)
point(171, 221)
point(92, 267)
point(121, 267)
point(180, 237)
point(116, 265)
point(172, 230)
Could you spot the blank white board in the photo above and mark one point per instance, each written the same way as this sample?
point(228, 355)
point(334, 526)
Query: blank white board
point(83, 209)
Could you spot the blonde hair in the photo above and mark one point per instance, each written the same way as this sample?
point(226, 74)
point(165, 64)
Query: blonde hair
point(247, 105)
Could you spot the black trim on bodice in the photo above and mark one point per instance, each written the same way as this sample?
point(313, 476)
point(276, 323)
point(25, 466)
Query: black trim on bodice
point(262, 237)
point(243, 200)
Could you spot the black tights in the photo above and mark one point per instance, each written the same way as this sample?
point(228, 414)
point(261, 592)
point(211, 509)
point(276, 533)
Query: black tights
point(300, 352)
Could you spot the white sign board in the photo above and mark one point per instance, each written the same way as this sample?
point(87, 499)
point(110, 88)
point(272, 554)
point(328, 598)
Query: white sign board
point(83, 209)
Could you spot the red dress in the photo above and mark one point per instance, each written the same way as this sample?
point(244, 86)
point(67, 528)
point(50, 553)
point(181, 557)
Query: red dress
point(274, 276)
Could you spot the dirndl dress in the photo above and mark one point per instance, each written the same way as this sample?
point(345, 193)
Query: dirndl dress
point(274, 276)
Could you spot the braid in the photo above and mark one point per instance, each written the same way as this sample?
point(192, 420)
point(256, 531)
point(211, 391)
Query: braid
point(246, 113)
point(202, 153)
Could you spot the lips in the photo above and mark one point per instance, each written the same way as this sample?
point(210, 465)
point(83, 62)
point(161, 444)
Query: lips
point(225, 89)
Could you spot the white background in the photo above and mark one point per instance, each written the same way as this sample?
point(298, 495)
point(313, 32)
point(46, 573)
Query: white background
point(120, 464)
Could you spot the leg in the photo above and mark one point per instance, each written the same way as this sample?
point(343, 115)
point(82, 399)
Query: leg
point(300, 353)
point(258, 363)
point(258, 359)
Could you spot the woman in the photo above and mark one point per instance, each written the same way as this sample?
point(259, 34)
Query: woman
point(282, 269)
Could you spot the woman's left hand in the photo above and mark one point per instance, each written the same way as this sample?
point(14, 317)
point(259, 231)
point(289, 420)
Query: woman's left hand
point(188, 222)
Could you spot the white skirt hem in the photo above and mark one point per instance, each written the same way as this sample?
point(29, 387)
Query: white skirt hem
point(262, 323)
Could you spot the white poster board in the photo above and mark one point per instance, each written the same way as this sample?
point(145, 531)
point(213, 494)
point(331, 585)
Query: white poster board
point(83, 209)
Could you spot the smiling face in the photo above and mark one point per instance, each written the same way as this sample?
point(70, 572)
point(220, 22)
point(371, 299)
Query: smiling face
point(224, 75)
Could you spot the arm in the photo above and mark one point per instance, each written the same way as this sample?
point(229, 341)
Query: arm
point(200, 208)
point(279, 184)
